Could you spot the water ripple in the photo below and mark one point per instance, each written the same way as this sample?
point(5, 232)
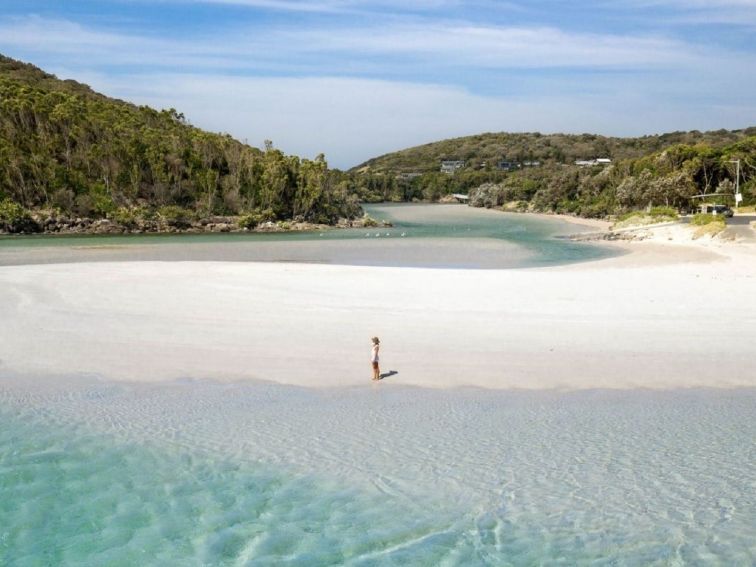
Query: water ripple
point(206, 473)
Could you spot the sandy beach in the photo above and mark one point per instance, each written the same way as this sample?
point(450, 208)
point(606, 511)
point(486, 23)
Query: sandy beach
point(222, 412)
point(666, 315)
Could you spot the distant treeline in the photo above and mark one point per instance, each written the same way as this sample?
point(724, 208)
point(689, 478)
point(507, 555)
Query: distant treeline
point(653, 170)
point(67, 148)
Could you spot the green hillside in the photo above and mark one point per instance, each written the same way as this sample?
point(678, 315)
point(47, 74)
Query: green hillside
point(541, 173)
point(486, 150)
point(67, 150)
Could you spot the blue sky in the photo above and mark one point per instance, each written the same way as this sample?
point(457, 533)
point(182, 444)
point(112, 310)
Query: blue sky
point(355, 79)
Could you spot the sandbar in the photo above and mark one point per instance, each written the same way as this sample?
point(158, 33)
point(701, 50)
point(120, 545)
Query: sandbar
point(662, 316)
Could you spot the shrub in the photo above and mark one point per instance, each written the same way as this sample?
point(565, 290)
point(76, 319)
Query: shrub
point(707, 224)
point(97, 202)
point(702, 219)
point(15, 218)
point(84, 205)
point(11, 211)
point(64, 199)
point(248, 220)
point(175, 216)
point(127, 217)
point(102, 204)
point(626, 216)
point(641, 218)
point(664, 212)
point(255, 217)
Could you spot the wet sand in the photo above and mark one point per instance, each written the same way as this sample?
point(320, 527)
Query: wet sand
point(480, 253)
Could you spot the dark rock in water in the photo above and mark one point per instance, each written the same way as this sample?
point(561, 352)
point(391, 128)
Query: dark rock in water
point(613, 236)
point(52, 222)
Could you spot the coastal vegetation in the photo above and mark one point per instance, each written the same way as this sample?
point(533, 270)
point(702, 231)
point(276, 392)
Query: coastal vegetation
point(73, 160)
point(68, 153)
point(641, 218)
point(707, 224)
point(587, 175)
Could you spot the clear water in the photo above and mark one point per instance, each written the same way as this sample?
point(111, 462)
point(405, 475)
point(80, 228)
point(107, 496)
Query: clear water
point(198, 473)
point(439, 236)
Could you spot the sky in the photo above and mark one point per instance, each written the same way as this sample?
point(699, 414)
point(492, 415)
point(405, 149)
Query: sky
point(355, 79)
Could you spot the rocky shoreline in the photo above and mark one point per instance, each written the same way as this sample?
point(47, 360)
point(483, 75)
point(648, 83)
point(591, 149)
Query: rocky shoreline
point(64, 225)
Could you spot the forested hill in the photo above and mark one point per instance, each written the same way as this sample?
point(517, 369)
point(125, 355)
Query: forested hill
point(487, 150)
point(587, 175)
point(71, 151)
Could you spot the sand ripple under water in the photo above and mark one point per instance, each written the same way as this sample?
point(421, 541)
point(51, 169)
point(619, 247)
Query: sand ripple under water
point(199, 473)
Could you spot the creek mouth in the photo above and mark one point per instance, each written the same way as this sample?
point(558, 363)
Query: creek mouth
point(422, 236)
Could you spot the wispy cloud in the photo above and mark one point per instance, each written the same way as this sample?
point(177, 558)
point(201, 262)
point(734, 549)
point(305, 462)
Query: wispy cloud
point(284, 5)
point(702, 12)
point(355, 87)
point(440, 46)
point(337, 6)
point(503, 47)
point(65, 38)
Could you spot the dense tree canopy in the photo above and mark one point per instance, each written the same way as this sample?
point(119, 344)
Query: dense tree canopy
point(653, 170)
point(66, 147)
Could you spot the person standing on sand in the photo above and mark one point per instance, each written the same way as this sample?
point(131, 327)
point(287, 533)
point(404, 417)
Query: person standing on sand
point(374, 358)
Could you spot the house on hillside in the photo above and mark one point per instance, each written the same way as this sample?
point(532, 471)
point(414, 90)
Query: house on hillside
point(450, 166)
point(505, 165)
point(592, 162)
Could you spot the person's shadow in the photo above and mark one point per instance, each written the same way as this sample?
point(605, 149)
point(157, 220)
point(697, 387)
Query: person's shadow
point(387, 374)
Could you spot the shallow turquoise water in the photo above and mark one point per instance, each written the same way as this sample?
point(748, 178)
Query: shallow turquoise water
point(438, 236)
point(94, 473)
point(71, 497)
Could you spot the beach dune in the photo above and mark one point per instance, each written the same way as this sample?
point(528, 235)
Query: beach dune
point(628, 322)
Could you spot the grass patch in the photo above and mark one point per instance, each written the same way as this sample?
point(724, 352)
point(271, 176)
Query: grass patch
point(707, 225)
point(702, 219)
point(644, 218)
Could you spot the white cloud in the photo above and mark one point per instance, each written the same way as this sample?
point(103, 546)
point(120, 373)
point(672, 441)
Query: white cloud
point(502, 47)
point(71, 41)
point(351, 120)
point(729, 12)
point(336, 6)
point(434, 46)
point(655, 84)
point(284, 5)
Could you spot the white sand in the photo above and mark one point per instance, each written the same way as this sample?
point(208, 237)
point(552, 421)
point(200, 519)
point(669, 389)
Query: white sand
point(662, 316)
